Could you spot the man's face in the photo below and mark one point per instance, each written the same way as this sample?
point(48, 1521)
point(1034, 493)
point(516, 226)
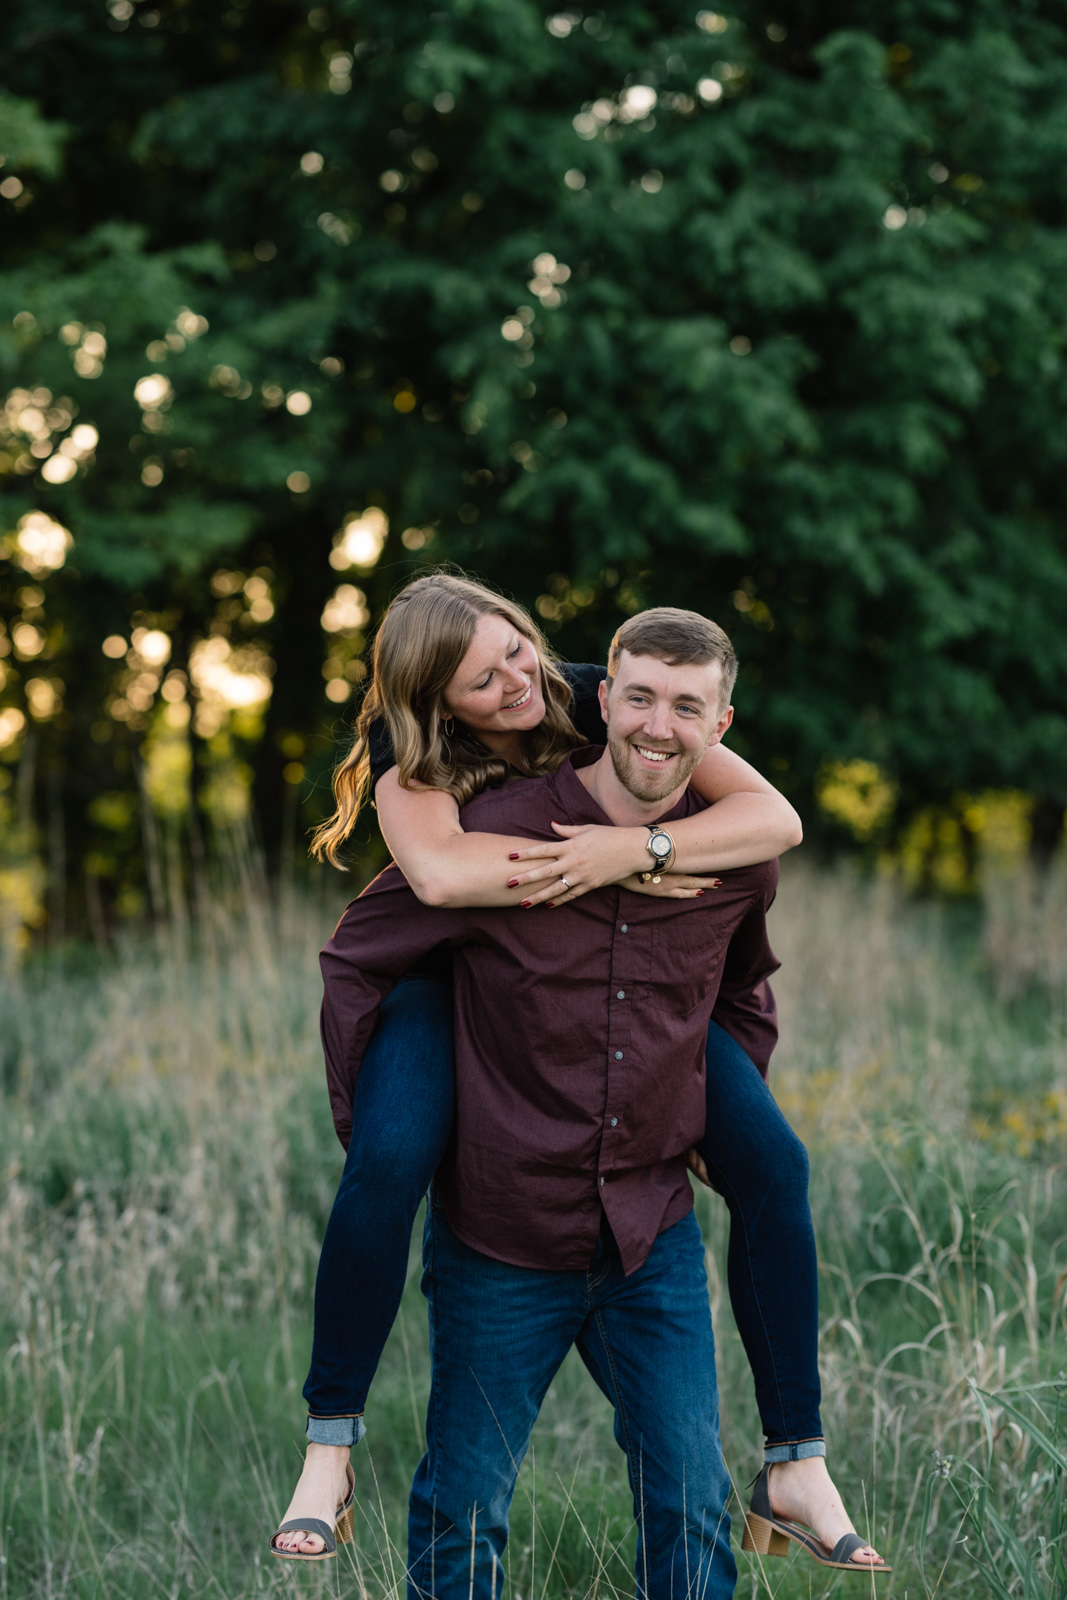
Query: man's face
point(660, 721)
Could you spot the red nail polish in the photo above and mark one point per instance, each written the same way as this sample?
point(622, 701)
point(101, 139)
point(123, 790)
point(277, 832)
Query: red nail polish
point(514, 856)
point(550, 904)
point(524, 902)
point(512, 883)
point(699, 893)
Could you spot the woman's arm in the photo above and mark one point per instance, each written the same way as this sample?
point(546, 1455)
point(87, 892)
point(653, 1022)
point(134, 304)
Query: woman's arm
point(443, 865)
point(447, 867)
point(747, 821)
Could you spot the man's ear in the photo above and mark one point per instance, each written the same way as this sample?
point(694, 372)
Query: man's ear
point(721, 726)
point(603, 692)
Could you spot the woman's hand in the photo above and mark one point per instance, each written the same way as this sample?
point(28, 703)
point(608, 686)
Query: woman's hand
point(695, 1162)
point(588, 857)
point(671, 886)
point(585, 857)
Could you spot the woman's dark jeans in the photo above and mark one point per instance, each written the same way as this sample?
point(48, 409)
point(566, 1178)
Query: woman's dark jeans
point(401, 1123)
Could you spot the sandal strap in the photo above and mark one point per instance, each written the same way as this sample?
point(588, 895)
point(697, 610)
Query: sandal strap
point(760, 1504)
point(322, 1530)
point(846, 1548)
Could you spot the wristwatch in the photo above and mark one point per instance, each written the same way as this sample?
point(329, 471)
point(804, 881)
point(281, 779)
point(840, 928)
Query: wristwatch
point(661, 849)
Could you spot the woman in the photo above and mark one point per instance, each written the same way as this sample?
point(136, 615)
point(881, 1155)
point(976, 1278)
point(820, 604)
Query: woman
point(465, 691)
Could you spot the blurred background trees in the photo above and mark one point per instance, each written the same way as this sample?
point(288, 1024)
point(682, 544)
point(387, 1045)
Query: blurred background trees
point(762, 312)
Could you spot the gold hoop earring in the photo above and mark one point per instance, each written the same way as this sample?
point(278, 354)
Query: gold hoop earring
point(449, 727)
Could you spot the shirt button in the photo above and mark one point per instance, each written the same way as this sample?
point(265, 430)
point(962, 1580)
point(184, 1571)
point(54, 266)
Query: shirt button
point(614, 1122)
point(601, 1183)
point(618, 1055)
point(626, 927)
point(621, 995)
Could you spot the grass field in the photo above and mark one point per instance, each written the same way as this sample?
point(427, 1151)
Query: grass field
point(168, 1163)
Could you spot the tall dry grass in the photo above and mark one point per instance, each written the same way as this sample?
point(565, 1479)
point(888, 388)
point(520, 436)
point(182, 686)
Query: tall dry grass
point(168, 1163)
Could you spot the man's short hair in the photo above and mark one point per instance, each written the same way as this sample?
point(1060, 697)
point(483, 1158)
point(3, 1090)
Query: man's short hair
point(679, 638)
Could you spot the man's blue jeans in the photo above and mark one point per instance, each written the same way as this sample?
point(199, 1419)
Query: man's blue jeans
point(402, 1120)
point(498, 1335)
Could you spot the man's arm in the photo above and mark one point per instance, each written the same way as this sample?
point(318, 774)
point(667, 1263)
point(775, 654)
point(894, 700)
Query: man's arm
point(745, 1005)
point(380, 937)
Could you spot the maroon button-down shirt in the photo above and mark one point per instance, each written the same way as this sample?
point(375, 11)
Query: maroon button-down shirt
point(579, 1034)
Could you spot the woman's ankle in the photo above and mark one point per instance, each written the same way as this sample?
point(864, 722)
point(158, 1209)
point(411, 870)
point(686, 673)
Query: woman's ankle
point(335, 1454)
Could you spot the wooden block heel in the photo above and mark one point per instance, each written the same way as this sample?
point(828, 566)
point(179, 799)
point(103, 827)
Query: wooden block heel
point(346, 1526)
point(763, 1537)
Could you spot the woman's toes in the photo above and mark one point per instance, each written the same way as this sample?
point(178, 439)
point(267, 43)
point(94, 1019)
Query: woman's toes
point(292, 1540)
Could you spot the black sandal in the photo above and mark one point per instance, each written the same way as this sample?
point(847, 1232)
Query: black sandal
point(768, 1535)
point(342, 1526)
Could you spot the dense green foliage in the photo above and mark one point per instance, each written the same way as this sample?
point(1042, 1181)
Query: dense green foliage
point(762, 312)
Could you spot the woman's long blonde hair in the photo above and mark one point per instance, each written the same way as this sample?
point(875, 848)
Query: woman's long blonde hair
point(418, 647)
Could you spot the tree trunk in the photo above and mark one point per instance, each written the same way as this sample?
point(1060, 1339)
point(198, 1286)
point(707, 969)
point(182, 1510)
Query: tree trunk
point(1046, 831)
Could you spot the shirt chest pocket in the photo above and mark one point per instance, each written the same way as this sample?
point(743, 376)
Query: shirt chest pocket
point(686, 954)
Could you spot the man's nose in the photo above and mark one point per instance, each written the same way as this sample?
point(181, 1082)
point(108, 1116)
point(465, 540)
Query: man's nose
point(658, 723)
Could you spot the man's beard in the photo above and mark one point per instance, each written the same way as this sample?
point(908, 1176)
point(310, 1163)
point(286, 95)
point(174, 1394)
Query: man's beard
point(645, 784)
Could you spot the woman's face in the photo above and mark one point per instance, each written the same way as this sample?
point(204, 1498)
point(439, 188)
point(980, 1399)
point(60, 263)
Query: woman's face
point(496, 689)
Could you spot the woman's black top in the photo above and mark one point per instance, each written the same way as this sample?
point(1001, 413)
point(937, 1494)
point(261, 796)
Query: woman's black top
point(584, 708)
point(585, 681)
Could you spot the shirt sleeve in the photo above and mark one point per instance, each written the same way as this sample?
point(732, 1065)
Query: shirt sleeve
point(745, 1006)
point(380, 749)
point(379, 938)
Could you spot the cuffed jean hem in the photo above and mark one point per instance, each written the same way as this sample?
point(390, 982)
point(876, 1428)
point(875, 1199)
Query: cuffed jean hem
point(335, 1430)
point(802, 1451)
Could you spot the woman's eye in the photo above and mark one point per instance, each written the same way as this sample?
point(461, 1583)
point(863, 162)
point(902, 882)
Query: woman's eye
point(514, 652)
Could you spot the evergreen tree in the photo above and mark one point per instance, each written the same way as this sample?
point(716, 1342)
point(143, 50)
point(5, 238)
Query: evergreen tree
point(760, 312)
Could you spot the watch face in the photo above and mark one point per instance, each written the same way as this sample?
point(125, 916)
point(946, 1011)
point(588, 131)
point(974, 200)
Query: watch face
point(660, 845)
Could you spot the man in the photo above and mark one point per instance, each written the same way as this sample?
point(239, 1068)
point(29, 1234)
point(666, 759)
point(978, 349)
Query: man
point(563, 1214)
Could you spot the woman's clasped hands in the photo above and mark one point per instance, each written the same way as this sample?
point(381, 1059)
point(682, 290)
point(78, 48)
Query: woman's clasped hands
point(590, 855)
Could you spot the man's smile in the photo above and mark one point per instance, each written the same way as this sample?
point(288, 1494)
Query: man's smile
point(658, 756)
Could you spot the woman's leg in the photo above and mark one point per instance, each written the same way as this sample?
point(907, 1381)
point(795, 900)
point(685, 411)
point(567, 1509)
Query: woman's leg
point(760, 1167)
point(401, 1121)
